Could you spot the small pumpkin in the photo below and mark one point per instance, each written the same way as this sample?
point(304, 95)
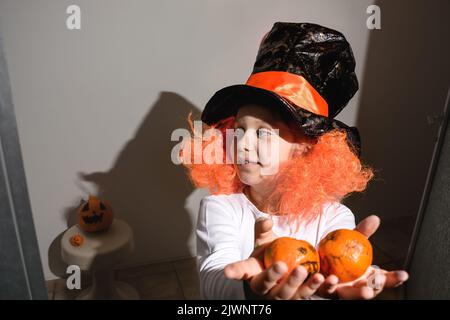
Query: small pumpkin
point(94, 215)
point(345, 253)
point(294, 253)
point(76, 240)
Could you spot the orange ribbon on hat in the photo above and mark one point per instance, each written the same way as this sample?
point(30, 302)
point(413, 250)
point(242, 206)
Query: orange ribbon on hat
point(291, 86)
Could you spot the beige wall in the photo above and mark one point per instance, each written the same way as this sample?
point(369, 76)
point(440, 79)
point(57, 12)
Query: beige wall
point(95, 107)
point(406, 79)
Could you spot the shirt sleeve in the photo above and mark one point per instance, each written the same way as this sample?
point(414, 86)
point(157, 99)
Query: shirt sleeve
point(338, 216)
point(218, 244)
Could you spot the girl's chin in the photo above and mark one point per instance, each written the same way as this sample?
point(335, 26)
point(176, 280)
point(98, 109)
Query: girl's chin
point(249, 166)
point(249, 178)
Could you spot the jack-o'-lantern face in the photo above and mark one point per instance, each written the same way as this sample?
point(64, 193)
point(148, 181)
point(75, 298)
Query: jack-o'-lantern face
point(94, 215)
point(294, 253)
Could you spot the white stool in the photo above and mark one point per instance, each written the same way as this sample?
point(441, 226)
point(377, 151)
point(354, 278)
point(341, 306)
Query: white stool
point(100, 252)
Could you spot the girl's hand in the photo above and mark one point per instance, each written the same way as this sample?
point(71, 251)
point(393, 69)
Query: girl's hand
point(368, 286)
point(372, 282)
point(267, 283)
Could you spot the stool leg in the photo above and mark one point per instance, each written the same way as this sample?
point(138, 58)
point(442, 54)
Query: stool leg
point(103, 284)
point(105, 288)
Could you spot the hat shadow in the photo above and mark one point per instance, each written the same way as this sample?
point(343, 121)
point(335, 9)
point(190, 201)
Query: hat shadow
point(145, 188)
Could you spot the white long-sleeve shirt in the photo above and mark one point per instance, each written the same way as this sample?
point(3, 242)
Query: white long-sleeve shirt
point(225, 234)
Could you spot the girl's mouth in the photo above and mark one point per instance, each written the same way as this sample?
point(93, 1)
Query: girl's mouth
point(248, 162)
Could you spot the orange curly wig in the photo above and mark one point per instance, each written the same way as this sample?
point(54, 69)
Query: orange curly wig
point(328, 172)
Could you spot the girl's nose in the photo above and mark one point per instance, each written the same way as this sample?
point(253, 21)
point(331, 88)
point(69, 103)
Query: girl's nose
point(248, 141)
point(248, 148)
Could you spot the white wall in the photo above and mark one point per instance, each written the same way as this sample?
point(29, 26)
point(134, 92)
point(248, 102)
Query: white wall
point(95, 107)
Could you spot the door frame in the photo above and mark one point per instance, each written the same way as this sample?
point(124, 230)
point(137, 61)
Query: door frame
point(21, 275)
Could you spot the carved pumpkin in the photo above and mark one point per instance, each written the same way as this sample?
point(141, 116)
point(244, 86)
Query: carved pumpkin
point(293, 252)
point(94, 215)
point(76, 240)
point(345, 253)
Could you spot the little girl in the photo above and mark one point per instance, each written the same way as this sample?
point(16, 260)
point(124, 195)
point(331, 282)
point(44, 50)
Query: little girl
point(290, 165)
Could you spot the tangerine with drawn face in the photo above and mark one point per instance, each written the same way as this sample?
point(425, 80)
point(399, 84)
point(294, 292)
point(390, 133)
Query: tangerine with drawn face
point(345, 253)
point(294, 253)
point(76, 240)
point(94, 215)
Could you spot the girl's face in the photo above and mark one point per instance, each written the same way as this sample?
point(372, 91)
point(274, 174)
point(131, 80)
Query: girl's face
point(260, 148)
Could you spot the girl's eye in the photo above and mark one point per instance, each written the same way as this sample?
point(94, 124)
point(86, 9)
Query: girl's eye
point(264, 133)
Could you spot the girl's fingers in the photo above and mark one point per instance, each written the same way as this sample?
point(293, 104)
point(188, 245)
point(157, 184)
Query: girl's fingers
point(310, 286)
point(329, 285)
point(243, 270)
point(288, 288)
point(353, 293)
point(364, 288)
point(395, 278)
point(263, 282)
point(377, 282)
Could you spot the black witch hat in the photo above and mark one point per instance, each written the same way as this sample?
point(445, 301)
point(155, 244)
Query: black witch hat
point(307, 70)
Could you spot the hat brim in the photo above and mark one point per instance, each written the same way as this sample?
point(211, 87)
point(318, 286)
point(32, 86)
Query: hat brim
point(227, 101)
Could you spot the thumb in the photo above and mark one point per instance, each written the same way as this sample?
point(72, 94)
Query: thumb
point(263, 231)
point(369, 225)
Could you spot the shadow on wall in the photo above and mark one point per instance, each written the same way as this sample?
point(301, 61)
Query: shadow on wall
point(145, 188)
point(405, 80)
